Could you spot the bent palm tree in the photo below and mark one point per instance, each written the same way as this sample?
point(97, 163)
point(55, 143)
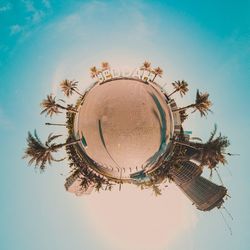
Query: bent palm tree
point(202, 104)
point(51, 107)
point(94, 72)
point(180, 86)
point(69, 86)
point(41, 153)
point(158, 72)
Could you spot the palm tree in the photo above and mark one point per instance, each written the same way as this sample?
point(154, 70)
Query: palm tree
point(210, 153)
point(69, 86)
point(41, 153)
point(158, 72)
point(146, 66)
point(94, 72)
point(105, 66)
point(183, 115)
point(213, 151)
point(202, 104)
point(156, 190)
point(51, 107)
point(55, 124)
point(180, 86)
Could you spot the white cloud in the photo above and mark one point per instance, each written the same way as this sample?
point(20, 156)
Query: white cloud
point(36, 14)
point(47, 4)
point(14, 29)
point(5, 7)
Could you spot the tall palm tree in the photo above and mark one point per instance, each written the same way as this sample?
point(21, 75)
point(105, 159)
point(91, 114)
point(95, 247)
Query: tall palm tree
point(94, 72)
point(69, 86)
point(146, 66)
point(105, 66)
point(41, 153)
point(210, 153)
point(158, 72)
point(180, 86)
point(52, 107)
point(202, 104)
point(213, 151)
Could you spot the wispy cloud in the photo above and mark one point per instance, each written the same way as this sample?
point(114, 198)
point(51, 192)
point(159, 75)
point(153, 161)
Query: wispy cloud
point(36, 15)
point(14, 29)
point(5, 123)
point(46, 4)
point(5, 7)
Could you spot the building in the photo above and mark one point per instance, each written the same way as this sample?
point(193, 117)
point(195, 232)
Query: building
point(184, 172)
point(204, 194)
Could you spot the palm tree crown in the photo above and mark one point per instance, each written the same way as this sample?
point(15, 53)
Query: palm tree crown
point(69, 86)
point(213, 151)
point(202, 104)
point(158, 72)
point(94, 71)
point(51, 107)
point(105, 65)
point(180, 86)
point(146, 66)
point(41, 153)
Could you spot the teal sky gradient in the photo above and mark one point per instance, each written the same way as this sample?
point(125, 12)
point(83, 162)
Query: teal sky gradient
point(42, 42)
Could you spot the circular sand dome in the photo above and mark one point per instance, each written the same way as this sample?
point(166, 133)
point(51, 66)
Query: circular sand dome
point(127, 125)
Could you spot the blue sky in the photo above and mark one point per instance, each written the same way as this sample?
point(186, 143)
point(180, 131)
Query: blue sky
point(42, 42)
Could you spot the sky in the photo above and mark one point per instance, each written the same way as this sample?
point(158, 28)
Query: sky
point(42, 42)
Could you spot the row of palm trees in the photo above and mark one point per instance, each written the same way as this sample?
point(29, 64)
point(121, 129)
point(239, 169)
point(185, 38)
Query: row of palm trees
point(51, 106)
point(210, 153)
point(41, 154)
point(146, 66)
point(94, 71)
point(85, 173)
point(202, 103)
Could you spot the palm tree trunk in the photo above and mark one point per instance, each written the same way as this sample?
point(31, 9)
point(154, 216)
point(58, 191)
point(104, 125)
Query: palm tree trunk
point(154, 77)
point(173, 92)
point(184, 108)
point(55, 124)
point(186, 144)
point(77, 92)
point(66, 144)
point(66, 108)
point(142, 73)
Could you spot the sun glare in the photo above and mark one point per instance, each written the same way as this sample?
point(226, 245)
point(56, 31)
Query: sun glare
point(135, 219)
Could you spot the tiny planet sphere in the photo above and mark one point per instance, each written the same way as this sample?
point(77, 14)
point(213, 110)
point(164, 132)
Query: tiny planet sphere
point(127, 125)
